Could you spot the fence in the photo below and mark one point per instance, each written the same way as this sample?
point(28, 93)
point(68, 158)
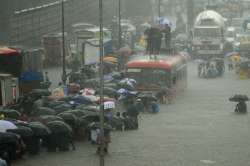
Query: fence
point(29, 25)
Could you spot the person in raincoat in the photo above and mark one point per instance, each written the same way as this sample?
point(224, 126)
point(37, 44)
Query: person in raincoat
point(133, 113)
point(167, 36)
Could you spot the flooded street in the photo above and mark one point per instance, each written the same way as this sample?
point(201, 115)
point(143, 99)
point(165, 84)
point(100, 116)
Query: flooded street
point(200, 128)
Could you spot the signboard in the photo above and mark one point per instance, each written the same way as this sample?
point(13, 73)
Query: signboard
point(109, 105)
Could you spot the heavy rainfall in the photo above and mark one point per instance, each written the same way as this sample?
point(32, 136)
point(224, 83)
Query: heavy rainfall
point(124, 82)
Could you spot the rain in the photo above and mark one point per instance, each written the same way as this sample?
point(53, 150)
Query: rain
point(124, 82)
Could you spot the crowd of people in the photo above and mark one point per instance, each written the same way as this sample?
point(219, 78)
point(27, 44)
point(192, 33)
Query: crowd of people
point(55, 119)
point(154, 37)
point(211, 68)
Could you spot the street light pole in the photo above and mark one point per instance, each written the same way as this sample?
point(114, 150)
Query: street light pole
point(190, 15)
point(63, 46)
point(101, 84)
point(119, 25)
point(159, 10)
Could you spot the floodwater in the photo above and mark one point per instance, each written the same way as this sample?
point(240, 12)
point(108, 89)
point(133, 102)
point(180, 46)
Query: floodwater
point(199, 128)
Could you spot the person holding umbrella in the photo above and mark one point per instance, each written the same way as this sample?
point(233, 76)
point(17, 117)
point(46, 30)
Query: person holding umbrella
point(241, 106)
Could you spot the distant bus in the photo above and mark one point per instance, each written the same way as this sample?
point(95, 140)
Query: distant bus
point(159, 73)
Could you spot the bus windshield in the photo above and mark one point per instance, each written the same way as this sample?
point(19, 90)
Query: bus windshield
point(150, 76)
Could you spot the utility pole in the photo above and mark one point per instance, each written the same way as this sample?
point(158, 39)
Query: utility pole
point(190, 15)
point(101, 84)
point(159, 10)
point(119, 25)
point(63, 46)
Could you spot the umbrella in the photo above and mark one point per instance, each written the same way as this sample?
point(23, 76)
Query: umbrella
point(110, 59)
point(146, 25)
point(126, 86)
point(23, 131)
point(111, 85)
point(8, 138)
point(6, 125)
point(199, 61)
point(81, 100)
point(91, 108)
point(77, 112)
point(116, 75)
point(62, 108)
point(49, 118)
point(232, 54)
point(217, 59)
point(69, 118)
point(57, 127)
point(128, 81)
point(93, 117)
point(123, 91)
point(9, 113)
point(238, 98)
point(53, 104)
point(45, 111)
point(87, 91)
point(126, 51)
point(40, 92)
point(245, 65)
point(39, 129)
point(164, 21)
point(147, 96)
point(109, 91)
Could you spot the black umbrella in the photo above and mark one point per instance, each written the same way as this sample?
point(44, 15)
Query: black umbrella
point(82, 122)
point(245, 65)
point(53, 104)
point(111, 85)
point(117, 75)
point(92, 109)
point(69, 118)
point(49, 118)
point(62, 108)
point(77, 112)
point(41, 92)
point(38, 93)
point(39, 129)
point(45, 111)
point(93, 117)
point(238, 98)
point(22, 131)
point(10, 113)
point(8, 138)
point(57, 127)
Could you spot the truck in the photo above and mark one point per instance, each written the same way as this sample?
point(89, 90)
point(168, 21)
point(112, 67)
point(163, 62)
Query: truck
point(242, 43)
point(208, 35)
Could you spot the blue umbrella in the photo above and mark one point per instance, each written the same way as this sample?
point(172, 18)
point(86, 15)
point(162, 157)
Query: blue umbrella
point(231, 54)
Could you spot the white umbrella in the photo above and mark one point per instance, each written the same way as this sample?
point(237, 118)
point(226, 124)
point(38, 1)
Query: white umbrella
point(199, 61)
point(6, 125)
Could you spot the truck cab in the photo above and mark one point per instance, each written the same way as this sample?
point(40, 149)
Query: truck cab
point(208, 35)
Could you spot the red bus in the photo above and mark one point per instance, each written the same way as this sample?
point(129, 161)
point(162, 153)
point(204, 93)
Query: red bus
point(162, 75)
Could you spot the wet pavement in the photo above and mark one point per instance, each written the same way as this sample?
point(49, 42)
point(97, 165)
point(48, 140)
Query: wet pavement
point(198, 129)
